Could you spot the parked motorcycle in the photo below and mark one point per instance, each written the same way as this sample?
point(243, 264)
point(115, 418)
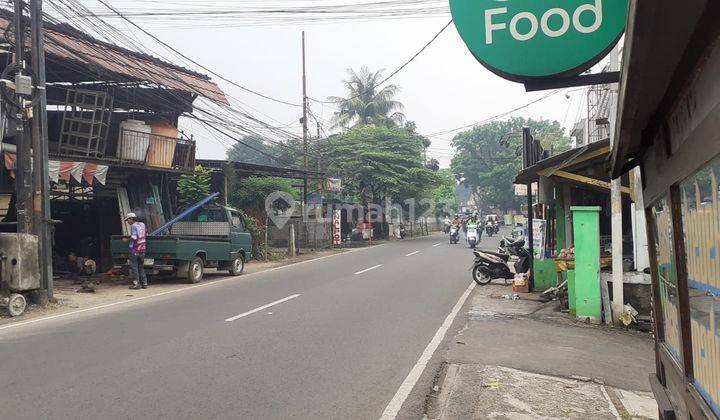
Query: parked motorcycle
point(489, 266)
point(454, 234)
point(472, 236)
point(402, 231)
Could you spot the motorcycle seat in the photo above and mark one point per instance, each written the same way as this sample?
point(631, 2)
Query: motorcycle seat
point(503, 257)
point(517, 243)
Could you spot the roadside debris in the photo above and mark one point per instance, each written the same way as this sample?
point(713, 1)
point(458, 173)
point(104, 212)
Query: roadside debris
point(629, 316)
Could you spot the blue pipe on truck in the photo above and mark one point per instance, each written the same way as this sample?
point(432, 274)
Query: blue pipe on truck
point(184, 214)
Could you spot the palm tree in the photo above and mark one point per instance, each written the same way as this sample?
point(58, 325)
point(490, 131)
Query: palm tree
point(366, 102)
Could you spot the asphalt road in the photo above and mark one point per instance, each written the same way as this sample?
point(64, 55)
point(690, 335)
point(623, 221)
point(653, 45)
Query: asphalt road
point(340, 338)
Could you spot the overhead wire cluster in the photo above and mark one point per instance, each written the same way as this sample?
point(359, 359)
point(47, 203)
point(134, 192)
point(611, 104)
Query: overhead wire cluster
point(236, 121)
point(232, 13)
point(228, 124)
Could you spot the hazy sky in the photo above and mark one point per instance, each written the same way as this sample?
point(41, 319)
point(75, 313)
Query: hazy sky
point(444, 88)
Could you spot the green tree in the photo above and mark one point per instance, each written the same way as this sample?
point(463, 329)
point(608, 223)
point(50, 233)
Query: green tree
point(444, 195)
point(489, 156)
point(367, 102)
point(253, 149)
point(384, 162)
point(193, 188)
point(249, 194)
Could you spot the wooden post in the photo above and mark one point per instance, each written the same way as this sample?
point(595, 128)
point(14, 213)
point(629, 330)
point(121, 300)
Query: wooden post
point(292, 250)
point(567, 203)
point(267, 227)
point(606, 305)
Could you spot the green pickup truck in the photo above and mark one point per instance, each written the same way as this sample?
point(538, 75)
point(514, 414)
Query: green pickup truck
point(210, 237)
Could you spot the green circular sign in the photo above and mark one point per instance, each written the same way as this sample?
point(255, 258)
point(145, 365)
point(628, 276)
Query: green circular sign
point(522, 40)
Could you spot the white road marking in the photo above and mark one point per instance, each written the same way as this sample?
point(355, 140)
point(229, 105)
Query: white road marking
point(170, 292)
point(262, 308)
point(436, 245)
point(394, 406)
point(368, 269)
point(412, 253)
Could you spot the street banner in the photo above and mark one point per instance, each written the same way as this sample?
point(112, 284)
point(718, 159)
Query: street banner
point(539, 238)
point(337, 231)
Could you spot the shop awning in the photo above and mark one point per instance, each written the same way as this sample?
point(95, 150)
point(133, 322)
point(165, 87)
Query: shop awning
point(593, 152)
point(574, 166)
point(663, 41)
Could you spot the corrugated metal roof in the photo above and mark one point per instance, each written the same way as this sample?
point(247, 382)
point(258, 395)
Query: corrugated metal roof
point(101, 58)
point(530, 174)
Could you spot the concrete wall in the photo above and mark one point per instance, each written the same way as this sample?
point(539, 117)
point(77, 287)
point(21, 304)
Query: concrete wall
point(308, 235)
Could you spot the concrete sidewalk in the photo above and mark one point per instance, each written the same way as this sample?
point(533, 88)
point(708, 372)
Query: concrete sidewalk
point(521, 360)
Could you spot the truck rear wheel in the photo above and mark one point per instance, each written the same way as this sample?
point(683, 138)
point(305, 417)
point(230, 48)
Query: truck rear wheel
point(236, 266)
point(196, 270)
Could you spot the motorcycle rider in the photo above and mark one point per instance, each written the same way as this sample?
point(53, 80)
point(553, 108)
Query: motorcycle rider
point(446, 224)
point(473, 221)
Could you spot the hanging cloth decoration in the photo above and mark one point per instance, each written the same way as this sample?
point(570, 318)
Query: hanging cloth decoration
point(54, 170)
point(89, 172)
point(66, 171)
point(57, 170)
point(78, 168)
point(101, 172)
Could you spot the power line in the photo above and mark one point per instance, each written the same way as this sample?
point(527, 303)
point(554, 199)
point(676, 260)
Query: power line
point(210, 113)
point(156, 39)
point(504, 114)
point(399, 69)
point(217, 14)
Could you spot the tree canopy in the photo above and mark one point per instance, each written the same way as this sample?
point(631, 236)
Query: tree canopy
point(385, 162)
point(194, 187)
point(366, 102)
point(253, 149)
point(249, 194)
point(488, 167)
point(444, 196)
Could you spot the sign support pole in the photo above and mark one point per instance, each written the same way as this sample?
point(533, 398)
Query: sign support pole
point(618, 303)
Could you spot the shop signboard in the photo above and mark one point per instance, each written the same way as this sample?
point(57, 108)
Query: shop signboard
point(336, 226)
point(522, 191)
point(522, 40)
point(333, 184)
point(539, 238)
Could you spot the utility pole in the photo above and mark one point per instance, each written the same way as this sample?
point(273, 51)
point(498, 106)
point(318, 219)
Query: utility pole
point(319, 159)
point(23, 174)
point(305, 123)
point(528, 161)
point(41, 179)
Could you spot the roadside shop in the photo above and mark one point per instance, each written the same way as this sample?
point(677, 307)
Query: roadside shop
point(669, 125)
point(572, 232)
